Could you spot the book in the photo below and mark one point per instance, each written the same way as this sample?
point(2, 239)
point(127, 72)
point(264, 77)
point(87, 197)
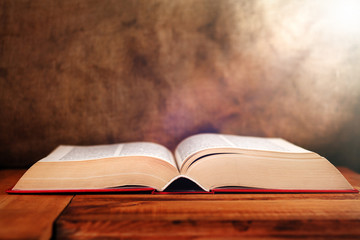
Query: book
point(206, 162)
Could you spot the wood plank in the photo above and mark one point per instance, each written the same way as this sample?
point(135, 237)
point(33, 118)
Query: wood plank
point(27, 216)
point(209, 218)
point(315, 216)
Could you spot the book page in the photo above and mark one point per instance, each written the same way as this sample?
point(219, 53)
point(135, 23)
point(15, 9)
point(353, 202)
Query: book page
point(147, 149)
point(82, 153)
point(197, 143)
point(205, 141)
point(263, 144)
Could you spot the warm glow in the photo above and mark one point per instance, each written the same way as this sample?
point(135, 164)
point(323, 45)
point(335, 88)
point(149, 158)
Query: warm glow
point(343, 16)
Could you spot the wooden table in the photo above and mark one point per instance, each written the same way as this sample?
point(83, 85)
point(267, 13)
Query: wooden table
point(200, 216)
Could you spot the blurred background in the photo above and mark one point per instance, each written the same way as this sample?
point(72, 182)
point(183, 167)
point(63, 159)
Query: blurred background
point(97, 72)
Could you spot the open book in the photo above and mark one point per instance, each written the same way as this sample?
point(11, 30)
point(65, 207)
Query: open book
point(209, 161)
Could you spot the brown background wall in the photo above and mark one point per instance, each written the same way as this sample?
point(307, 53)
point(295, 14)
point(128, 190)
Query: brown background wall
point(94, 72)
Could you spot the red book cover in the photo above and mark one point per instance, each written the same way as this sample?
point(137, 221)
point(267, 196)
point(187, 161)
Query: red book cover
point(147, 190)
point(260, 190)
point(144, 190)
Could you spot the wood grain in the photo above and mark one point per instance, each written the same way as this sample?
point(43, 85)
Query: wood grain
point(27, 216)
point(226, 216)
point(95, 72)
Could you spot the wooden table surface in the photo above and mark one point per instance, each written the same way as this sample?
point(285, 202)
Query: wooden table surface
point(27, 216)
point(200, 216)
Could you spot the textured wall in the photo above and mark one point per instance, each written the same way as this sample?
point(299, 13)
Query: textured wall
point(93, 72)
